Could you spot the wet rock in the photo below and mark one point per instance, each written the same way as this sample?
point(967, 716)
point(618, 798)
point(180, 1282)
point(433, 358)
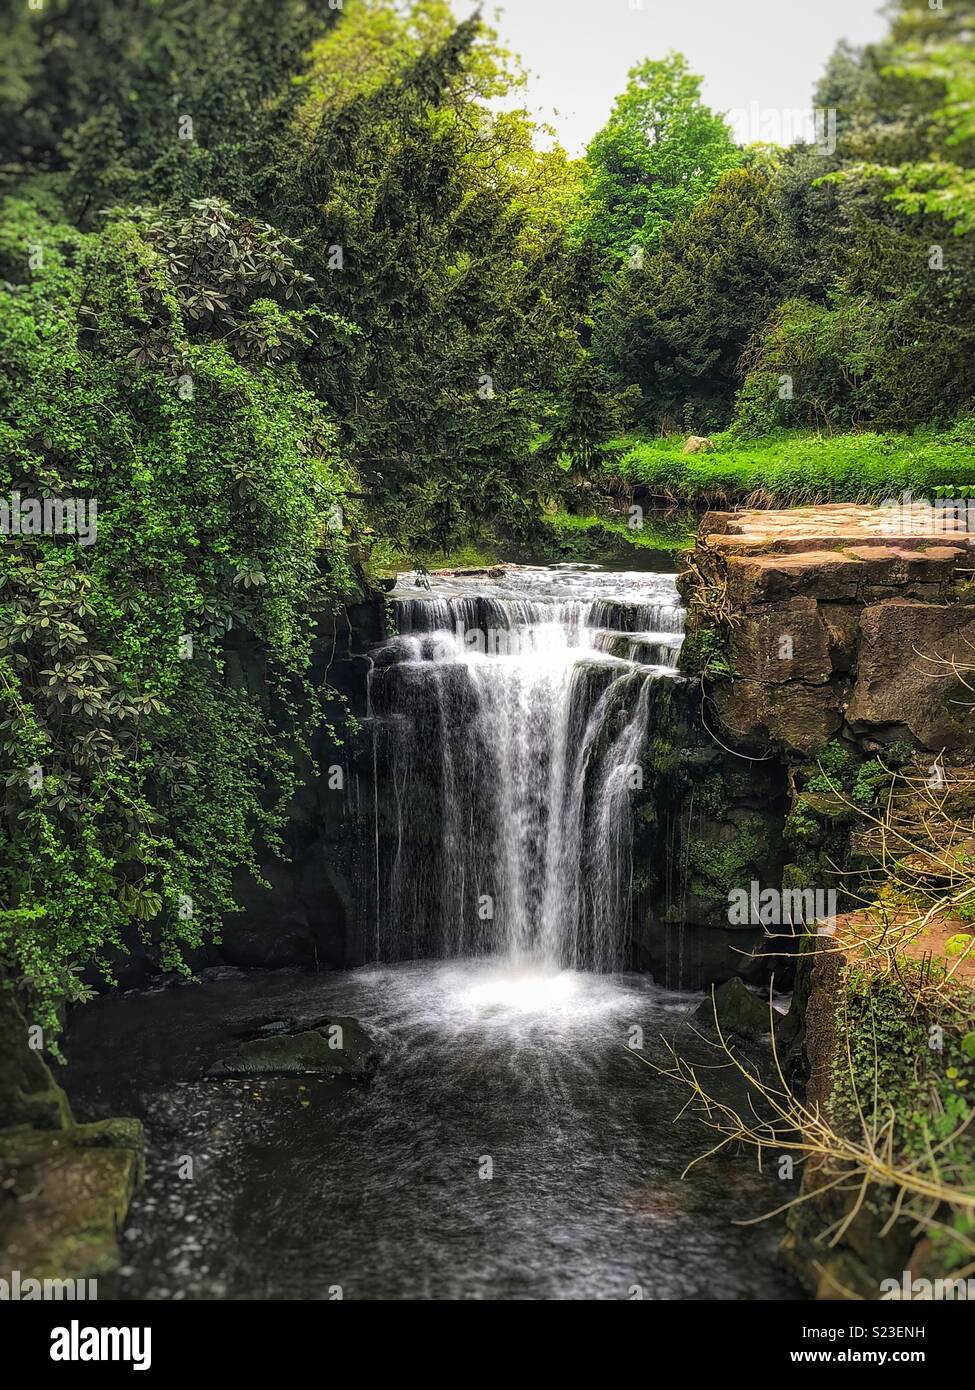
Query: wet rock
point(329, 1047)
point(736, 1009)
point(798, 717)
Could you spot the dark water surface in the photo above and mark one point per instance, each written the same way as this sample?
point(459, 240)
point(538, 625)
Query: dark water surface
point(302, 1186)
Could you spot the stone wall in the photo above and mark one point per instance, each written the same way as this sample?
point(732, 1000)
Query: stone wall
point(832, 628)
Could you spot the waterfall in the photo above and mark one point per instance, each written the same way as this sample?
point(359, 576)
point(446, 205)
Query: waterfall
point(510, 717)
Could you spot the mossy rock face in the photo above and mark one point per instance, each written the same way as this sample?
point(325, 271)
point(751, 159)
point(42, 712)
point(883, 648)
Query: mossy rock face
point(331, 1047)
point(828, 806)
point(64, 1194)
point(29, 1094)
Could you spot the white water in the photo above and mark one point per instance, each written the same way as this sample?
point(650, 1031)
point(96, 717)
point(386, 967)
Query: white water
point(512, 719)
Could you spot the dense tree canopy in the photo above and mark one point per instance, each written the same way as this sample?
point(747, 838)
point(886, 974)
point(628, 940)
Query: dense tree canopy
point(676, 327)
point(818, 286)
point(273, 272)
point(146, 375)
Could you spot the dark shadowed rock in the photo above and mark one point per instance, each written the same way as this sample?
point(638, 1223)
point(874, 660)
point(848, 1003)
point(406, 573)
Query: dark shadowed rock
point(737, 1010)
point(29, 1094)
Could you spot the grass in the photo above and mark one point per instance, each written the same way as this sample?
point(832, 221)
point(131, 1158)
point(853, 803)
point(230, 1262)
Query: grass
point(792, 469)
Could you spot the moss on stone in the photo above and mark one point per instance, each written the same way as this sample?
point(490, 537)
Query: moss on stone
point(29, 1094)
point(716, 865)
point(66, 1195)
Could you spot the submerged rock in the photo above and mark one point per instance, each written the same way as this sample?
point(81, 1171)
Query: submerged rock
point(330, 1047)
point(736, 1009)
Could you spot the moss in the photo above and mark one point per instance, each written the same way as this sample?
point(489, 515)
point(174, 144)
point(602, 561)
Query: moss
point(711, 797)
point(588, 533)
point(802, 827)
point(71, 1191)
point(703, 654)
point(715, 867)
point(827, 769)
point(885, 1029)
point(29, 1094)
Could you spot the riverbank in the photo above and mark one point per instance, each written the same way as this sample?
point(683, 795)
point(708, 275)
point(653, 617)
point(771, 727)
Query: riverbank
point(793, 468)
point(836, 652)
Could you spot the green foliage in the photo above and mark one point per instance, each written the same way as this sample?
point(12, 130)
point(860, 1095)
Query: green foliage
point(665, 532)
point(833, 764)
point(711, 796)
point(434, 223)
point(659, 153)
point(122, 102)
point(716, 867)
point(791, 468)
point(886, 1070)
point(676, 326)
point(931, 56)
point(140, 773)
point(854, 359)
point(703, 654)
point(816, 287)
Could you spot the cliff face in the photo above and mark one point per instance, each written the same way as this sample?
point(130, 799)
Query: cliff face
point(830, 626)
point(838, 652)
point(811, 633)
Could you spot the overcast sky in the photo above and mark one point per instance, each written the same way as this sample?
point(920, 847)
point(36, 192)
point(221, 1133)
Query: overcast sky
point(756, 56)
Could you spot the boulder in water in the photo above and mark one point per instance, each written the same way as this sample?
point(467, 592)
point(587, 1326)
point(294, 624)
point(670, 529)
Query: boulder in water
point(330, 1047)
point(736, 1009)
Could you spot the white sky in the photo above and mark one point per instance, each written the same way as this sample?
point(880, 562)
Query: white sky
point(760, 57)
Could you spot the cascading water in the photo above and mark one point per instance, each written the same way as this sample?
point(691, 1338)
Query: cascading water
point(511, 716)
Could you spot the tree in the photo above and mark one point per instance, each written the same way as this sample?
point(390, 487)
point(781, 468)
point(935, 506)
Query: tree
point(589, 412)
point(438, 230)
point(676, 328)
point(661, 151)
point(135, 101)
point(145, 370)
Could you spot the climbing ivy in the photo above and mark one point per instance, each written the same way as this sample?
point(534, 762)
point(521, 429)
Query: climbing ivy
point(147, 373)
